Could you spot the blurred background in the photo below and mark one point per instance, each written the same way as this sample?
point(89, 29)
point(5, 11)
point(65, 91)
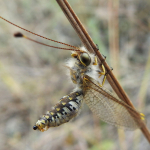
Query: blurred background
point(33, 77)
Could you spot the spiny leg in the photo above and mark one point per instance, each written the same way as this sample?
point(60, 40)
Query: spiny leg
point(102, 66)
point(105, 75)
point(103, 72)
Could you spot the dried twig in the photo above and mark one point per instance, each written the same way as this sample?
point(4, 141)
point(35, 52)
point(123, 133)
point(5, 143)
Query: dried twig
point(89, 44)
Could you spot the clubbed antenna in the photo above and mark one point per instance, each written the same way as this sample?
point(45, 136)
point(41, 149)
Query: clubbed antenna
point(20, 35)
point(38, 34)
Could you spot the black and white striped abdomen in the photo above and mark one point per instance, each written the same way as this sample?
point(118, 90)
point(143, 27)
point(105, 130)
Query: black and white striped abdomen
point(67, 108)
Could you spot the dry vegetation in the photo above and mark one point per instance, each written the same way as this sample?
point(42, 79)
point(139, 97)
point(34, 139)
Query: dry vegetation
point(33, 79)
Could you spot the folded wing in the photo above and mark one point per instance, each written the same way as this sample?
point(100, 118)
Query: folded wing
point(109, 107)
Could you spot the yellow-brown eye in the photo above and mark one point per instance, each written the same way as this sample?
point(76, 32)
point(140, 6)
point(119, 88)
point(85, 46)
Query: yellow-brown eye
point(85, 59)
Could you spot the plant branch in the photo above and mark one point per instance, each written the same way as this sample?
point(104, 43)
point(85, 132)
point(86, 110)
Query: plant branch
point(91, 47)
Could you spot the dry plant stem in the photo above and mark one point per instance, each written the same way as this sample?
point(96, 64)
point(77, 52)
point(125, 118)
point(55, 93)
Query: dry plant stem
point(74, 23)
point(89, 44)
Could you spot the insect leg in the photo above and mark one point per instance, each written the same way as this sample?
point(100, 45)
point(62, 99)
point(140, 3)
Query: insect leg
point(103, 72)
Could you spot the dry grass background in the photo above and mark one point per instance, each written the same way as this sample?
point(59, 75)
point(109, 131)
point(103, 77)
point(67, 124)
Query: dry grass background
point(33, 79)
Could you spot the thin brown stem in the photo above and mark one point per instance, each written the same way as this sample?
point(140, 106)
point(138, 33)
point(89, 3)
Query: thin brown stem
point(90, 45)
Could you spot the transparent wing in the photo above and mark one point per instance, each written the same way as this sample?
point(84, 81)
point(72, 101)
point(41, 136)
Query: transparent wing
point(108, 107)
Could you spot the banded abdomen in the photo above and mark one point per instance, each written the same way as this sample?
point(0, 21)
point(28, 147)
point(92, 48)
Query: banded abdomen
point(67, 108)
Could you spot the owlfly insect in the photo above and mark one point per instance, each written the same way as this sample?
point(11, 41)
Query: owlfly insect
point(85, 75)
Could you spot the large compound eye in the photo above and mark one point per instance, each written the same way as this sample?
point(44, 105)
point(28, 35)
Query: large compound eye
point(85, 59)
